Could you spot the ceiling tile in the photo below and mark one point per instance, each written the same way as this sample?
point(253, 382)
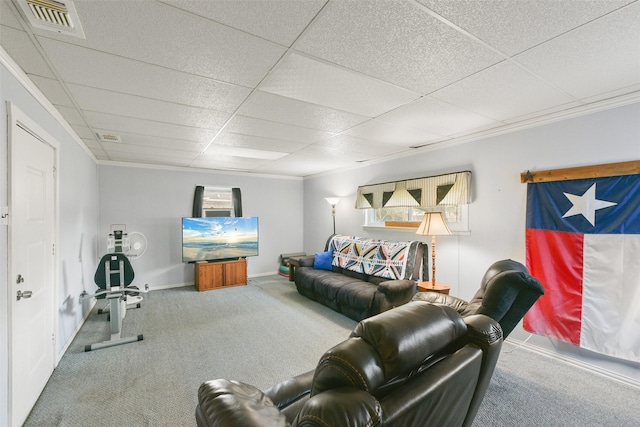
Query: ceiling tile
point(227, 162)
point(299, 165)
point(84, 132)
point(280, 21)
point(8, 16)
point(349, 143)
point(19, 46)
point(148, 158)
point(101, 70)
point(111, 148)
point(116, 124)
point(258, 142)
point(596, 58)
point(390, 133)
point(156, 141)
point(53, 90)
point(257, 127)
point(225, 150)
point(305, 79)
point(515, 26)
point(103, 101)
point(276, 108)
point(234, 57)
point(396, 42)
point(71, 115)
point(501, 92)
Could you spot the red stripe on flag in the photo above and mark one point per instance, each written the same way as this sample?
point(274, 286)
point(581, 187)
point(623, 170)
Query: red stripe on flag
point(555, 258)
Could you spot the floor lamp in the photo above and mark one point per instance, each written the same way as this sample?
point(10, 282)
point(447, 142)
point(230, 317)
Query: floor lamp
point(333, 201)
point(433, 224)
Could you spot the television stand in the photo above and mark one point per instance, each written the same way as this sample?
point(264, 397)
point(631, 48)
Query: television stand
point(220, 274)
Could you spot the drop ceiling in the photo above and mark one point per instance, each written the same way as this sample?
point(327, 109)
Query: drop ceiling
point(302, 87)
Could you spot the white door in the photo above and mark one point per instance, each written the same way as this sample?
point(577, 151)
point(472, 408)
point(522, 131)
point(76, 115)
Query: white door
point(32, 280)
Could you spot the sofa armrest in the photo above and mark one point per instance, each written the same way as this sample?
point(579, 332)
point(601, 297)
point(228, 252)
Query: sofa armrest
point(306, 261)
point(344, 407)
point(457, 304)
point(486, 333)
point(225, 403)
point(395, 287)
point(291, 390)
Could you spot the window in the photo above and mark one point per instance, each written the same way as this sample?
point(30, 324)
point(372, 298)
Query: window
point(403, 203)
point(457, 217)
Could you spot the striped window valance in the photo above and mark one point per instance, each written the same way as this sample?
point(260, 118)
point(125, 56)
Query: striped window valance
point(451, 189)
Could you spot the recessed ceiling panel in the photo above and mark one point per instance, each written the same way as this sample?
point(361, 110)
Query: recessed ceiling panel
point(163, 35)
point(101, 70)
point(501, 92)
point(268, 129)
point(263, 105)
point(116, 124)
point(515, 26)
point(280, 21)
point(305, 79)
point(103, 101)
point(394, 41)
point(599, 57)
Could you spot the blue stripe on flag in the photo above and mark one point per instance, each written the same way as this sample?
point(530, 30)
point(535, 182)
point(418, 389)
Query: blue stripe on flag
point(591, 206)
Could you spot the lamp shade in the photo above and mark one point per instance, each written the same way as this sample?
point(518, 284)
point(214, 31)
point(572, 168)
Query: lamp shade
point(433, 224)
point(332, 200)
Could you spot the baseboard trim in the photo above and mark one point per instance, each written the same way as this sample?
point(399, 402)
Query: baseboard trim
point(577, 363)
point(75, 331)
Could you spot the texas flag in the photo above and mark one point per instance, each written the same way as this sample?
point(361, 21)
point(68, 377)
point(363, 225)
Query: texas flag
point(583, 244)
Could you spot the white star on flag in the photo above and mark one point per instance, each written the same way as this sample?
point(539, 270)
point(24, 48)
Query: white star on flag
point(586, 205)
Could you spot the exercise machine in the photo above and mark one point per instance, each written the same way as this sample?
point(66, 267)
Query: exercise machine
point(114, 276)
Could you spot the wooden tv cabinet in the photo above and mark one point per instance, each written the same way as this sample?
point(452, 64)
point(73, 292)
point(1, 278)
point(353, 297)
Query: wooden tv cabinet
point(220, 274)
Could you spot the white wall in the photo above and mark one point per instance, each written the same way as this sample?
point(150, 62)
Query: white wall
point(153, 201)
point(497, 213)
point(78, 212)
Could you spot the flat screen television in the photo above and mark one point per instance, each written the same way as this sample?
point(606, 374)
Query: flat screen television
point(219, 238)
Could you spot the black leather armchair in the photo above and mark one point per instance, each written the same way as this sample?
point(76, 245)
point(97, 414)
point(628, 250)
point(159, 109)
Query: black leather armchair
point(507, 291)
point(415, 365)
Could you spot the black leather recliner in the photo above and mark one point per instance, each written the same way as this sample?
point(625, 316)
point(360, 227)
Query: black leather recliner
point(415, 365)
point(507, 291)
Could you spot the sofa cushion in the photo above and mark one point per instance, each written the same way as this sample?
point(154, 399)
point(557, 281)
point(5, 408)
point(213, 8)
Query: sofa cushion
point(322, 260)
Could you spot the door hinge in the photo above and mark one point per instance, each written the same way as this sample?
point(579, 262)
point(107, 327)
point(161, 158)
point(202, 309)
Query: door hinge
point(55, 172)
point(53, 249)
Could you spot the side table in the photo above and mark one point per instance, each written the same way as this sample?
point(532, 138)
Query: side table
point(441, 288)
point(294, 262)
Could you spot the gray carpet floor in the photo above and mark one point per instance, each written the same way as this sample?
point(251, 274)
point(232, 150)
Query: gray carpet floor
point(264, 333)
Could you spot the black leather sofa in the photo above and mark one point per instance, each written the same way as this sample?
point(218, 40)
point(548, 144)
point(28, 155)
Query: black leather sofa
point(416, 365)
point(356, 291)
point(507, 291)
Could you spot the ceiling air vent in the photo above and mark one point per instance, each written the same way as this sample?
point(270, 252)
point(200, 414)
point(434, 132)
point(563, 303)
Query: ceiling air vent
point(106, 137)
point(52, 15)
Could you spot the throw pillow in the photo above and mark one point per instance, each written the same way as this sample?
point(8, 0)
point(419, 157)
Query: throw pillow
point(322, 260)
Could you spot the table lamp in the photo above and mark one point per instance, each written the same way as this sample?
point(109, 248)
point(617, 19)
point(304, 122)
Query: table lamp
point(433, 224)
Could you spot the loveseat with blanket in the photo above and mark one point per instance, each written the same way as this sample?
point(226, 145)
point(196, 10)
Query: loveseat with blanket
point(361, 277)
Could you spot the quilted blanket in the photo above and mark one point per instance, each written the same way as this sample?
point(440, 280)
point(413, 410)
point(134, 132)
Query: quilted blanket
point(373, 257)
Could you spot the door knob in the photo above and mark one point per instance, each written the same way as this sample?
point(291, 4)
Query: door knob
point(25, 294)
